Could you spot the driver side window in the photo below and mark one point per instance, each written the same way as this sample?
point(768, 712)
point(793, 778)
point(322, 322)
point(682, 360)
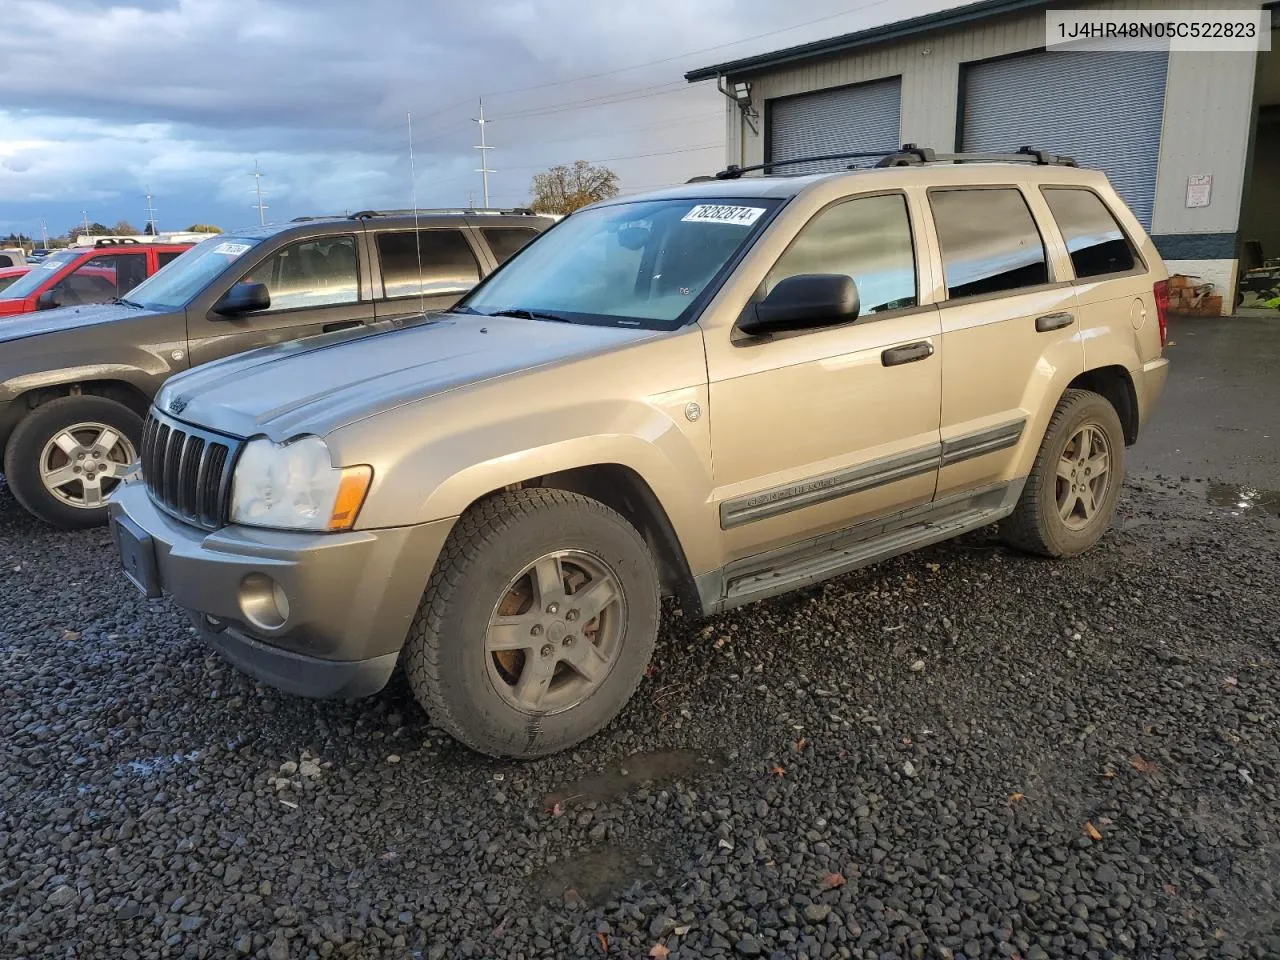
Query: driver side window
point(310, 273)
point(867, 238)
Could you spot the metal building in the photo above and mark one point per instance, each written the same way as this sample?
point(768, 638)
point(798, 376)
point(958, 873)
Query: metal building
point(1163, 125)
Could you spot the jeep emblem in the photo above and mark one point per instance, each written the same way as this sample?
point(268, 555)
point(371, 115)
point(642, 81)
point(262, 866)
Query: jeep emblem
point(177, 404)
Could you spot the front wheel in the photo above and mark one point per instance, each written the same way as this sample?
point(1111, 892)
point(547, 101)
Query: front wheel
point(1071, 492)
point(537, 625)
point(67, 456)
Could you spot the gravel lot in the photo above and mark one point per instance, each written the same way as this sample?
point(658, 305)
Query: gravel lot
point(961, 753)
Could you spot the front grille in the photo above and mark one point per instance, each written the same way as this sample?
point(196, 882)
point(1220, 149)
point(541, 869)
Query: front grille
point(188, 470)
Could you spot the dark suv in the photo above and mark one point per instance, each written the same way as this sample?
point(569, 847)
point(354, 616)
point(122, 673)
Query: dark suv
point(76, 382)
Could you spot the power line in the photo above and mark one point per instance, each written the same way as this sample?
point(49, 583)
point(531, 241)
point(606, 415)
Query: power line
point(630, 156)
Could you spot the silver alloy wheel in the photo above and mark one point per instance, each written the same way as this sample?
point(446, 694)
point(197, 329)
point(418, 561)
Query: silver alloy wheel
point(1083, 477)
point(556, 632)
point(82, 464)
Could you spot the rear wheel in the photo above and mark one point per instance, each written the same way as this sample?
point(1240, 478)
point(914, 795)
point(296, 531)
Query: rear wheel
point(537, 625)
point(67, 456)
point(1071, 493)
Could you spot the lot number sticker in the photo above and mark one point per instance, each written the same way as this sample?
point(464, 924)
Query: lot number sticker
point(723, 213)
point(232, 249)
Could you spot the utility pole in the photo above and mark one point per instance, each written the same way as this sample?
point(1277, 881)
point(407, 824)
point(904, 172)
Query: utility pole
point(257, 183)
point(44, 235)
point(86, 222)
point(151, 215)
point(484, 149)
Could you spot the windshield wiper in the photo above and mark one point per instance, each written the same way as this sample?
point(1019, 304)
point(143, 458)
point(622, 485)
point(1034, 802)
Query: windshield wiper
point(128, 303)
point(529, 315)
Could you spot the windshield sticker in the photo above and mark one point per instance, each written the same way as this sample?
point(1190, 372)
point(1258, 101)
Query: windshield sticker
point(232, 249)
point(52, 264)
point(723, 213)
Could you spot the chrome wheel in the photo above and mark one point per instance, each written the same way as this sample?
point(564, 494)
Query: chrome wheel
point(83, 463)
point(556, 632)
point(1083, 477)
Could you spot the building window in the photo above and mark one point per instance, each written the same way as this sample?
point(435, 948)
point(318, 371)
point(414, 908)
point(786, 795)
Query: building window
point(989, 241)
point(869, 239)
point(448, 266)
point(1095, 241)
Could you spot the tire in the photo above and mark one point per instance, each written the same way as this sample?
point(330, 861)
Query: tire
point(1037, 524)
point(78, 503)
point(470, 690)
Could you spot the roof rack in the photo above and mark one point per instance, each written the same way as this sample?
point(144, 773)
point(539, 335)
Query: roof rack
point(113, 241)
point(907, 155)
point(481, 211)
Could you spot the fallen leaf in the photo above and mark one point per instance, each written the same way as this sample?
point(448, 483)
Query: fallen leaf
point(801, 744)
point(1147, 728)
point(70, 635)
point(1172, 343)
point(658, 952)
point(651, 670)
point(554, 808)
point(1109, 774)
point(1170, 889)
point(935, 567)
point(604, 941)
point(1015, 797)
point(780, 771)
point(1142, 766)
point(1219, 934)
point(906, 741)
point(684, 928)
point(1091, 831)
point(1229, 682)
point(388, 856)
point(721, 641)
point(833, 881)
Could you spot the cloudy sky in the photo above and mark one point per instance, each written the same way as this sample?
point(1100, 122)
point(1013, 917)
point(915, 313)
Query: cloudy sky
point(102, 99)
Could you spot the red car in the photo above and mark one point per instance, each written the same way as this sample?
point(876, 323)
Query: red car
point(9, 274)
point(80, 275)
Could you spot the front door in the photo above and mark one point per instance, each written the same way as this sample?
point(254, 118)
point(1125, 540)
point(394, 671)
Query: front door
point(314, 286)
point(816, 430)
point(1009, 329)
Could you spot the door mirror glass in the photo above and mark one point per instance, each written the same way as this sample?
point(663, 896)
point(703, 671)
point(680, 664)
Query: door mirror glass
point(801, 302)
point(47, 300)
point(245, 297)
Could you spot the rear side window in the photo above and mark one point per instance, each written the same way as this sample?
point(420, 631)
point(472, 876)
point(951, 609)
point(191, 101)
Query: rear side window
point(867, 238)
point(165, 257)
point(1095, 241)
point(505, 241)
point(448, 265)
point(989, 241)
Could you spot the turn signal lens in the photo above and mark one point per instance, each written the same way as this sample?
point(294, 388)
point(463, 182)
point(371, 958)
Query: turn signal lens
point(352, 489)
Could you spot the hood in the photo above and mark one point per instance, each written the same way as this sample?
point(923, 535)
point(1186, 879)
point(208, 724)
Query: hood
point(322, 383)
point(63, 318)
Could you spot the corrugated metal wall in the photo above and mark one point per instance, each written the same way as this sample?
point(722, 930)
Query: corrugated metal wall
point(1104, 109)
point(863, 117)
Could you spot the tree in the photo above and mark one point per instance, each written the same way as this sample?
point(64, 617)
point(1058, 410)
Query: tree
point(125, 229)
point(95, 230)
point(203, 228)
point(564, 189)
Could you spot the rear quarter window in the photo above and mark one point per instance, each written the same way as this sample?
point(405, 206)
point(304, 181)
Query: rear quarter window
point(1094, 239)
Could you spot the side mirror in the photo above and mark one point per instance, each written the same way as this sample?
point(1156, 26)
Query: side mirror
point(803, 301)
point(47, 300)
point(244, 297)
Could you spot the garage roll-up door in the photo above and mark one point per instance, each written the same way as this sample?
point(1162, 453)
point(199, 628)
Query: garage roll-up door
point(1104, 109)
point(842, 120)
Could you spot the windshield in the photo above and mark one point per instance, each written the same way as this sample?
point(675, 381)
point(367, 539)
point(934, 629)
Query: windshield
point(640, 264)
point(174, 284)
point(34, 278)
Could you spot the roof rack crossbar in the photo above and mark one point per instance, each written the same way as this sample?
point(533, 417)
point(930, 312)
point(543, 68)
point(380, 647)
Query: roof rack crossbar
point(907, 155)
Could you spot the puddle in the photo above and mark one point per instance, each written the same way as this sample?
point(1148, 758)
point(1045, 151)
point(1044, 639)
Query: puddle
point(595, 877)
point(1244, 498)
point(661, 766)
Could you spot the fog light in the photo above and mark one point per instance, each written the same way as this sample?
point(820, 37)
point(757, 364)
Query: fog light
point(263, 602)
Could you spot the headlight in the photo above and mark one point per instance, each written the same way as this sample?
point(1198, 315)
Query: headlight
point(295, 486)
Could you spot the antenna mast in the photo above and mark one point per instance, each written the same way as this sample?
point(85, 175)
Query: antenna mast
point(484, 149)
point(417, 234)
point(257, 183)
point(151, 215)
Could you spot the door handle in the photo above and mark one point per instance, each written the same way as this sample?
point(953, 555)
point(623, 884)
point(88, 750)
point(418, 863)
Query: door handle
point(340, 325)
point(907, 353)
point(1053, 321)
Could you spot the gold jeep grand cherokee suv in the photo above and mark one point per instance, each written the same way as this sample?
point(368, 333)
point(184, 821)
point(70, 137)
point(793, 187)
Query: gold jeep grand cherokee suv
point(721, 391)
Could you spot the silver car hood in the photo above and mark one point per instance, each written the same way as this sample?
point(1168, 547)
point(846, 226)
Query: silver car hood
point(316, 385)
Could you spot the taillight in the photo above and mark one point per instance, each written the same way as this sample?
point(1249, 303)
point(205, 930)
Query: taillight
point(1161, 291)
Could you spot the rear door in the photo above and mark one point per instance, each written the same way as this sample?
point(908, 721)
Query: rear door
point(1009, 329)
point(315, 286)
point(427, 269)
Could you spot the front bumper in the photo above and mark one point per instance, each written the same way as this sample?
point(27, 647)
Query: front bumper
point(350, 596)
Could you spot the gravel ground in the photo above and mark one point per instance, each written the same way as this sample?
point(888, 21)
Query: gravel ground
point(960, 753)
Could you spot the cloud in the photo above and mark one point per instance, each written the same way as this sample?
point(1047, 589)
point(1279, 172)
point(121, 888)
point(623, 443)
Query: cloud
point(104, 98)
